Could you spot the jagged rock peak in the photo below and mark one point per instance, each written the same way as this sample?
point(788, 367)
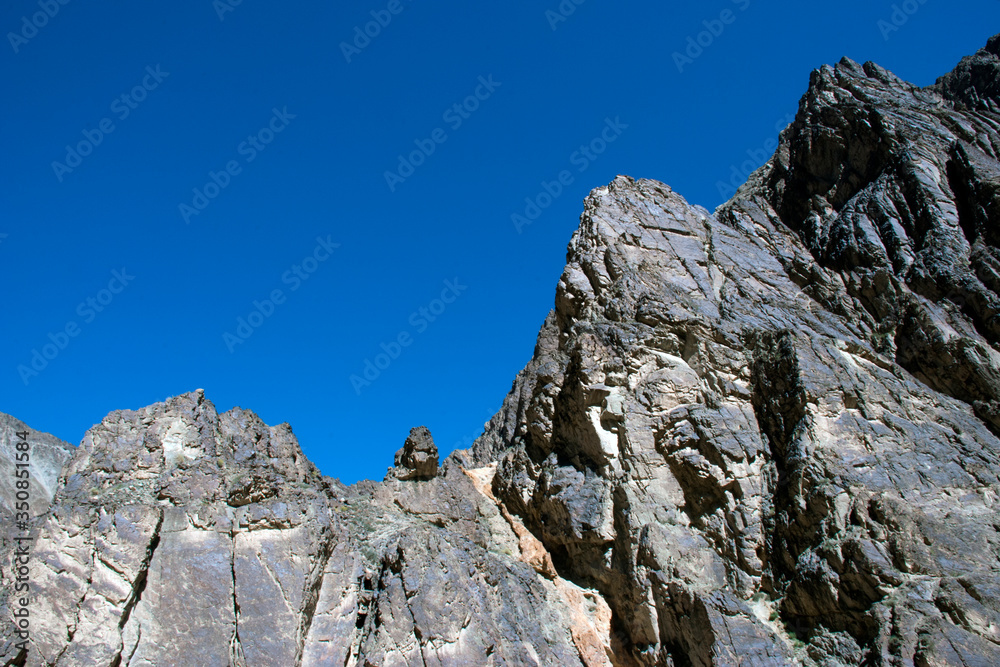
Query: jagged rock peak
point(181, 450)
point(975, 83)
point(807, 382)
point(159, 514)
point(764, 436)
point(417, 459)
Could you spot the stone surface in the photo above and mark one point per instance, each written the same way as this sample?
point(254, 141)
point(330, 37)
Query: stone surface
point(418, 458)
point(46, 456)
point(761, 436)
point(767, 435)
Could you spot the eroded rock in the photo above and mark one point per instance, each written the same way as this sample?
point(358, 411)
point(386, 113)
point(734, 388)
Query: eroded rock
point(760, 436)
point(418, 457)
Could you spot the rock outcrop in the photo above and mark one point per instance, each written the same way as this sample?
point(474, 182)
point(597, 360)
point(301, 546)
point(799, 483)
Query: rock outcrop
point(761, 436)
point(418, 457)
point(45, 455)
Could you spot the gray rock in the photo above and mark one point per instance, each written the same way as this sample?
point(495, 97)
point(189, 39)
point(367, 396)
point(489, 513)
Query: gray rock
point(46, 455)
point(805, 459)
point(761, 436)
point(418, 457)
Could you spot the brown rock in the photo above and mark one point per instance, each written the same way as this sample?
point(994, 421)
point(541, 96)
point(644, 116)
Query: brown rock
point(418, 458)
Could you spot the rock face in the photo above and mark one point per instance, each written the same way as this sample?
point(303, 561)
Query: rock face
point(46, 454)
point(763, 436)
point(418, 458)
point(45, 457)
point(180, 536)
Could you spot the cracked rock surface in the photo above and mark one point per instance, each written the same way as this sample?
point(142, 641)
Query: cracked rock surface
point(805, 467)
point(45, 458)
point(761, 436)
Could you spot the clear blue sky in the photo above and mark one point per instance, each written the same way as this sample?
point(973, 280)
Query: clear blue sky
point(213, 83)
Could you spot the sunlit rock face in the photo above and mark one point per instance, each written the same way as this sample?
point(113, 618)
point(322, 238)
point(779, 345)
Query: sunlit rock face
point(30, 463)
point(767, 434)
point(760, 436)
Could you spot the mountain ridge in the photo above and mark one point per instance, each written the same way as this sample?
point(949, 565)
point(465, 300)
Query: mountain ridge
point(764, 435)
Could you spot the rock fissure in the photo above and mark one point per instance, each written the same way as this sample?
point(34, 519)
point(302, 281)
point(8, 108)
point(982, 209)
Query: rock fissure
point(140, 582)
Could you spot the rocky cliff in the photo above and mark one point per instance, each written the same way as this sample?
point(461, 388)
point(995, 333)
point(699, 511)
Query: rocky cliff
point(36, 465)
point(761, 436)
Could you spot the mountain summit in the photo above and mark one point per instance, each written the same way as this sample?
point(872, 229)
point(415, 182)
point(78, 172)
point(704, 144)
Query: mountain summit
point(761, 436)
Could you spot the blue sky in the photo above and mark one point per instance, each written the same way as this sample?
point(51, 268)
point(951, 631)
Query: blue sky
point(211, 156)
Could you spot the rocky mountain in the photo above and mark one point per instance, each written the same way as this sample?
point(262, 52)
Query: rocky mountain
point(761, 436)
